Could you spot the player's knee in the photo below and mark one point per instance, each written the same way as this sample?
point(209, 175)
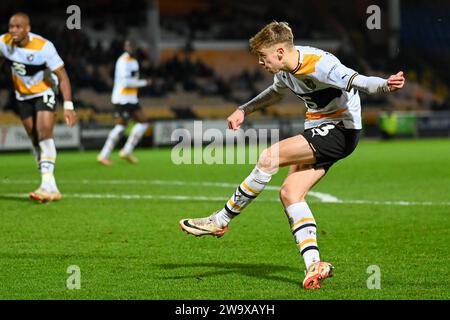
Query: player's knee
point(117, 130)
point(290, 195)
point(29, 127)
point(286, 194)
point(116, 133)
point(29, 131)
point(268, 161)
point(44, 134)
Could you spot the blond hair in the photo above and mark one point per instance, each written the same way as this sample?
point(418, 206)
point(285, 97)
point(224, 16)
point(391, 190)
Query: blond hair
point(273, 33)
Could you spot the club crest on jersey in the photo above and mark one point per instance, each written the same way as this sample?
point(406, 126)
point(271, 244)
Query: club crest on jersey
point(30, 57)
point(310, 84)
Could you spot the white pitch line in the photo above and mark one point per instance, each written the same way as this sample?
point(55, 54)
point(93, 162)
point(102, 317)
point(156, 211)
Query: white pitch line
point(132, 197)
point(324, 197)
point(396, 203)
point(202, 198)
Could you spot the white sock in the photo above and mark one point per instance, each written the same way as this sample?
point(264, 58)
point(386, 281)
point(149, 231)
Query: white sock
point(303, 227)
point(244, 194)
point(111, 141)
point(47, 165)
point(135, 136)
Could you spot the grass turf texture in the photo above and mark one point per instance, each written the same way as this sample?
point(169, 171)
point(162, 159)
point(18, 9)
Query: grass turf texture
point(134, 249)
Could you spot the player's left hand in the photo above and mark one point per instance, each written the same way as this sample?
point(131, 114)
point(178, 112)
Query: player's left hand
point(396, 81)
point(70, 117)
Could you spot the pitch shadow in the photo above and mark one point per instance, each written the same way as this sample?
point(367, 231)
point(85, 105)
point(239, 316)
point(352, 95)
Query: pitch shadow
point(15, 199)
point(259, 270)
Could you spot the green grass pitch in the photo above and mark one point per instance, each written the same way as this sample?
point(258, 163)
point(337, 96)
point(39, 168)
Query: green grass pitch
point(120, 226)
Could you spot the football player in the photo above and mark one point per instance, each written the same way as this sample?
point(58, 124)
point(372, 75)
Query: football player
point(33, 61)
point(125, 100)
point(329, 90)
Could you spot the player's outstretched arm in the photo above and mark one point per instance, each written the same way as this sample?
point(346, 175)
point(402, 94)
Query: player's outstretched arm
point(64, 85)
point(373, 85)
point(266, 98)
point(135, 83)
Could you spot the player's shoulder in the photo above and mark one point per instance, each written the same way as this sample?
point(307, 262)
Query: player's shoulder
point(38, 39)
point(6, 38)
point(39, 43)
point(125, 57)
point(310, 50)
point(322, 55)
point(309, 59)
point(326, 61)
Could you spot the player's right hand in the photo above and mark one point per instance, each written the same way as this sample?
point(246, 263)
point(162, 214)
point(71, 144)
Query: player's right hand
point(70, 117)
point(236, 119)
point(396, 81)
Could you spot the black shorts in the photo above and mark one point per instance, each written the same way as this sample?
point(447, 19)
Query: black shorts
point(28, 108)
point(331, 142)
point(125, 111)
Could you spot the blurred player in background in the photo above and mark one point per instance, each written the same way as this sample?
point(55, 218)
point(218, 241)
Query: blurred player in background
point(332, 127)
point(33, 61)
point(125, 100)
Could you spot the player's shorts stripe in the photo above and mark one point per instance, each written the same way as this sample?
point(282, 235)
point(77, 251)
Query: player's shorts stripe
point(250, 189)
point(245, 194)
point(304, 226)
point(309, 248)
point(350, 81)
point(231, 212)
point(301, 221)
point(312, 147)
